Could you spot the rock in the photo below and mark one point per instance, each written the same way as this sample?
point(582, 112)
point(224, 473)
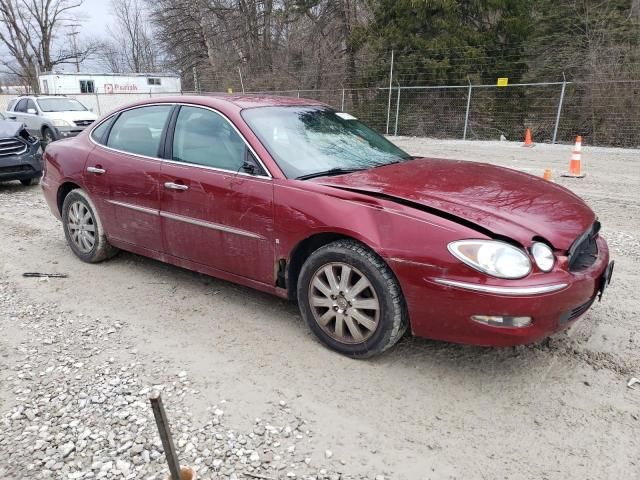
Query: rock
point(66, 449)
point(328, 453)
point(123, 466)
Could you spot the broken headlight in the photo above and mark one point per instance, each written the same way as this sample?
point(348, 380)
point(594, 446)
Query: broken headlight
point(543, 255)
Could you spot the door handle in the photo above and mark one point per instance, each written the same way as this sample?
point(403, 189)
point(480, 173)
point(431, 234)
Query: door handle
point(12, 118)
point(175, 186)
point(96, 170)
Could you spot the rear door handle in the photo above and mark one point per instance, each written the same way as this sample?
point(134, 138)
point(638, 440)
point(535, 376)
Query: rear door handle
point(175, 186)
point(96, 170)
point(12, 118)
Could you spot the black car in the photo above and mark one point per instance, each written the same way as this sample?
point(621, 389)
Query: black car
point(20, 154)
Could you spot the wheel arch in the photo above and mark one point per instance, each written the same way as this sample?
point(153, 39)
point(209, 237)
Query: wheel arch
point(63, 191)
point(306, 247)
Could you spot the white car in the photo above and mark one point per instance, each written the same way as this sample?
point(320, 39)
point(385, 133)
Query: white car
point(50, 117)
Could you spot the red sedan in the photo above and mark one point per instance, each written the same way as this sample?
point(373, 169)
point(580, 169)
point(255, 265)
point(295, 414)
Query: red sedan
point(293, 198)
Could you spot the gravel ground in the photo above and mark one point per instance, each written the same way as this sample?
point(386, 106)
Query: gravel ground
point(251, 394)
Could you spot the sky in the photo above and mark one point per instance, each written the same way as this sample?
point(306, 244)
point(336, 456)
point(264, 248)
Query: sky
point(96, 15)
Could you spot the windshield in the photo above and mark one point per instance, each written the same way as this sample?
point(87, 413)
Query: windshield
point(312, 140)
point(60, 105)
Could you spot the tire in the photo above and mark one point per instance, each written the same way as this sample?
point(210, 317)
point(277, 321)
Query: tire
point(88, 240)
point(344, 323)
point(48, 136)
point(28, 181)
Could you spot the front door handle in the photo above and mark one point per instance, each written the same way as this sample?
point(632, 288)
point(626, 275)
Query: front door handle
point(96, 170)
point(175, 186)
point(12, 118)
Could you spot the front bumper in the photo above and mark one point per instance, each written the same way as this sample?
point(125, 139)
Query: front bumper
point(443, 312)
point(67, 132)
point(22, 166)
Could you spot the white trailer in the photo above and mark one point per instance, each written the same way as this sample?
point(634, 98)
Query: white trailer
point(108, 83)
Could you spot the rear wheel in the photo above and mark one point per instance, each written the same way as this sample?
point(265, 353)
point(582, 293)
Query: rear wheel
point(351, 300)
point(83, 228)
point(28, 181)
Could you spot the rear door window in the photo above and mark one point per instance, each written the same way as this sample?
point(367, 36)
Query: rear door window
point(139, 130)
point(21, 106)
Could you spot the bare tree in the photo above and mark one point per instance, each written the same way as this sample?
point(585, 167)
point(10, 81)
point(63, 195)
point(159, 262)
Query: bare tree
point(133, 49)
point(28, 30)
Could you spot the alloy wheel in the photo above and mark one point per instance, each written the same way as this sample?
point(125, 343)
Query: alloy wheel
point(344, 303)
point(82, 227)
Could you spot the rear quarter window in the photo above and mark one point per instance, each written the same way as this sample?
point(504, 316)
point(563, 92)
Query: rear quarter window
point(99, 134)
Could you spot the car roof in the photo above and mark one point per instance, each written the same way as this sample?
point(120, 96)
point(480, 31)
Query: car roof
point(228, 102)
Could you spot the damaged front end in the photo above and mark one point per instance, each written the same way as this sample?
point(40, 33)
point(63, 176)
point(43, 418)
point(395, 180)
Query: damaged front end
point(20, 153)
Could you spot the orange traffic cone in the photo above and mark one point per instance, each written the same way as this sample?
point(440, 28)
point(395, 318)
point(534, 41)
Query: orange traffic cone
point(575, 167)
point(547, 175)
point(528, 140)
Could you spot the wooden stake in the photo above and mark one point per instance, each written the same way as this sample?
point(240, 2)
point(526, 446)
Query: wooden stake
point(165, 435)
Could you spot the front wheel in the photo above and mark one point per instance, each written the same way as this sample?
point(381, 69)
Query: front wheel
point(351, 299)
point(48, 136)
point(28, 181)
point(83, 229)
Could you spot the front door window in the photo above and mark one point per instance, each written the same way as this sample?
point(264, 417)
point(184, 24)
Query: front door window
point(203, 137)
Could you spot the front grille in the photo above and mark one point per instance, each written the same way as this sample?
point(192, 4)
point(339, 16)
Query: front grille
point(83, 123)
point(584, 251)
point(576, 312)
point(16, 169)
point(12, 146)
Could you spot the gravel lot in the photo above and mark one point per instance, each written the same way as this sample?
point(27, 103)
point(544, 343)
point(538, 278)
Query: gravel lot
point(251, 394)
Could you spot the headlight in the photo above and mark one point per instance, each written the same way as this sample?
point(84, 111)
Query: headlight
point(492, 257)
point(543, 255)
point(59, 122)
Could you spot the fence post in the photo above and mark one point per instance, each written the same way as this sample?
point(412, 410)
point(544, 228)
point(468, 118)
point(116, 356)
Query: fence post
point(342, 104)
point(555, 128)
point(98, 103)
point(466, 115)
point(390, 86)
point(395, 130)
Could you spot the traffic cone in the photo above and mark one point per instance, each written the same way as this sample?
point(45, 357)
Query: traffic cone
point(575, 167)
point(547, 175)
point(528, 140)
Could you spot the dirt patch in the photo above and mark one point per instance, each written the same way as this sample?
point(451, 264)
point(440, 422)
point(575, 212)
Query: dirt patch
point(557, 410)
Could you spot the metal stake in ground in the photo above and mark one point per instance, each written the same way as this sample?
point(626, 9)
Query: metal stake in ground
point(165, 435)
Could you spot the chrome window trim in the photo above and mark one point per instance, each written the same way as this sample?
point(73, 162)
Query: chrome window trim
point(211, 225)
point(515, 291)
point(268, 175)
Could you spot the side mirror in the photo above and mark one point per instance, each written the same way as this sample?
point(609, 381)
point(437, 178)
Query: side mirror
point(250, 164)
point(249, 168)
point(32, 111)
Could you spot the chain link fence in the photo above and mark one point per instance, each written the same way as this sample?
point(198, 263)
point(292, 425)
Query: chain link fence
point(604, 113)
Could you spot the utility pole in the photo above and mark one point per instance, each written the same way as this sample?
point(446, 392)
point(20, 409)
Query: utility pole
point(73, 34)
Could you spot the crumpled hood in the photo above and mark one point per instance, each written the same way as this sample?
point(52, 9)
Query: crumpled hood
point(10, 129)
point(504, 201)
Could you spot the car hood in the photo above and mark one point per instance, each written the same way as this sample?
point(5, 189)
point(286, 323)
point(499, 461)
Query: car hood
point(505, 202)
point(73, 116)
point(9, 128)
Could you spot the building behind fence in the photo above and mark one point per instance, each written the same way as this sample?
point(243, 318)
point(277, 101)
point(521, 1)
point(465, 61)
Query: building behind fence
point(604, 113)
